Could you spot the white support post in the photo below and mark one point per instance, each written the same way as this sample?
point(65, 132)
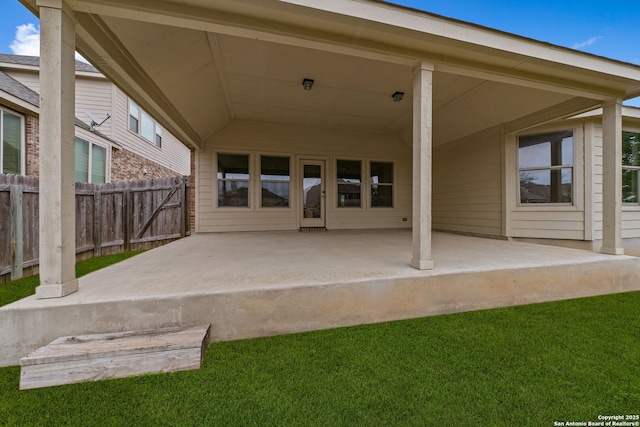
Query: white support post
point(422, 150)
point(612, 177)
point(57, 157)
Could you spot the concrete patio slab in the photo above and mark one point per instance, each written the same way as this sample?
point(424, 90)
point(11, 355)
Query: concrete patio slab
point(258, 284)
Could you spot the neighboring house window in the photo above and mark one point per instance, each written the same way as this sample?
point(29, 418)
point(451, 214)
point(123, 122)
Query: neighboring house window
point(381, 184)
point(146, 126)
point(11, 149)
point(545, 168)
point(274, 178)
point(142, 123)
point(134, 117)
point(630, 166)
point(91, 162)
point(158, 135)
point(233, 180)
point(349, 177)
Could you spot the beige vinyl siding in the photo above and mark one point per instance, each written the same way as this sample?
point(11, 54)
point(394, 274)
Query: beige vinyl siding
point(548, 224)
point(630, 213)
point(467, 185)
point(30, 79)
point(173, 154)
point(96, 97)
point(630, 222)
point(99, 96)
point(548, 221)
point(597, 182)
point(302, 142)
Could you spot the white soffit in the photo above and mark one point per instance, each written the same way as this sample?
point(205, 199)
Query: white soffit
point(473, 34)
point(200, 64)
point(386, 32)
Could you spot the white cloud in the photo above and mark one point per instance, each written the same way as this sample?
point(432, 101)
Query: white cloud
point(27, 42)
point(586, 43)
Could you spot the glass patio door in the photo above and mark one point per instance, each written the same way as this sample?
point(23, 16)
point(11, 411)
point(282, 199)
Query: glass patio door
point(313, 191)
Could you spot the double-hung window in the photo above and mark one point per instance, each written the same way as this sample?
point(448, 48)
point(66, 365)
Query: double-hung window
point(233, 180)
point(630, 166)
point(11, 147)
point(275, 179)
point(349, 178)
point(91, 162)
point(381, 184)
point(545, 168)
point(142, 123)
point(134, 117)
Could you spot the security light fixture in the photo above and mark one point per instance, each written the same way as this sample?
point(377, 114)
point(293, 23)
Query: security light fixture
point(307, 84)
point(397, 96)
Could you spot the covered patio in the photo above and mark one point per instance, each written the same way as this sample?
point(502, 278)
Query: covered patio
point(391, 89)
point(265, 283)
point(409, 110)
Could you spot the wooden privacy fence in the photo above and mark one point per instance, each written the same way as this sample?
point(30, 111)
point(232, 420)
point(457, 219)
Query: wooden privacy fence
point(110, 218)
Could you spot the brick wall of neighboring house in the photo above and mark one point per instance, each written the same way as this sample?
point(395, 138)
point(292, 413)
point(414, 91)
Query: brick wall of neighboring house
point(192, 191)
point(32, 139)
point(128, 166)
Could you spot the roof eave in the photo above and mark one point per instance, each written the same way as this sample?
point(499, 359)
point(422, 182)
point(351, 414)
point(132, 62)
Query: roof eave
point(14, 102)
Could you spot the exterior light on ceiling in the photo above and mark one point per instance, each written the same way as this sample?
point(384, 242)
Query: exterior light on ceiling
point(397, 97)
point(307, 84)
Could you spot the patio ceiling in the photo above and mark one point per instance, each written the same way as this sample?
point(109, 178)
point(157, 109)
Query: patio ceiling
point(215, 78)
point(198, 65)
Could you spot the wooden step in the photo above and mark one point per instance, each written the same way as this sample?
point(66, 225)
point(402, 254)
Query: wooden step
point(75, 359)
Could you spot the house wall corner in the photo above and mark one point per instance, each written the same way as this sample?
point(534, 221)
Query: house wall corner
point(192, 190)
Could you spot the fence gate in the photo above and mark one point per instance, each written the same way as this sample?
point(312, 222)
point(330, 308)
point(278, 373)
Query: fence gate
point(110, 218)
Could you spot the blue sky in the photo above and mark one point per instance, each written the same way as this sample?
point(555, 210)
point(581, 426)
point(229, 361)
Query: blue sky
point(608, 28)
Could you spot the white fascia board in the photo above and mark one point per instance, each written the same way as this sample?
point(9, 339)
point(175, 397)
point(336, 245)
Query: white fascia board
point(425, 22)
point(633, 112)
point(14, 66)
point(628, 112)
point(96, 138)
point(21, 67)
point(91, 74)
point(7, 98)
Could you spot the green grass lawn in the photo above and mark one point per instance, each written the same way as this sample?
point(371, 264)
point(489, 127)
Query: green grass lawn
point(21, 288)
point(519, 366)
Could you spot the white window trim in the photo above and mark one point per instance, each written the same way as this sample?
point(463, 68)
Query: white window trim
point(23, 145)
point(255, 181)
point(250, 182)
point(576, 199)
point(107, 168)
point(260, 181)
point(635, 206)
point(392, 185)
point(582, 201)
point(157, 127)
point(365, 184)
point(364, 198)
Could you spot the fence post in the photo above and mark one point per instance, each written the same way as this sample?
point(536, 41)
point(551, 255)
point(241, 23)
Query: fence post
point(97, 223)
point(126, 220)
point(187, 204)
point(17, 248)
point(184, 203)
